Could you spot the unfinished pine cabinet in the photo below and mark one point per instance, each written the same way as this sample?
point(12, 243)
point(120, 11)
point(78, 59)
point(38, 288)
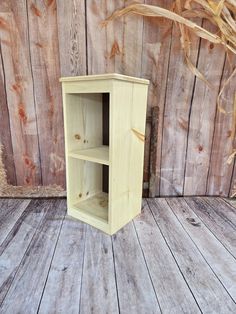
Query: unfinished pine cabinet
point(104, 119)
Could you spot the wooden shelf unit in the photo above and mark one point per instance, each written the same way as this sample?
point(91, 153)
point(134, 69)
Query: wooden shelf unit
point(104, 119)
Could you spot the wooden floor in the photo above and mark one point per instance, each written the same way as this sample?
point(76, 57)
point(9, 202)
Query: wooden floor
point(179, 256)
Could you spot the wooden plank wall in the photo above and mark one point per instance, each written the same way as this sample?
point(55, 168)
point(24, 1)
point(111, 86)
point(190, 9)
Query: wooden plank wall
point(41, 40)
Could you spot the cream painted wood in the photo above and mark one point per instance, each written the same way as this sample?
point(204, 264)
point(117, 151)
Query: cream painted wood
point(128, 116)
point(86, 154)
point(98, 154)
point(107, 76)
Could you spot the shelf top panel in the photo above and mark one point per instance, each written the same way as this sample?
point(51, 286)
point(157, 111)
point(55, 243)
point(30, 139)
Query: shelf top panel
point(107, 76)
point(98, 154)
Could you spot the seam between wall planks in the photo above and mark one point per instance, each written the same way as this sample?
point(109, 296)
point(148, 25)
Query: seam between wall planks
point(163, 113)
point(231, 180)
point(86, 35)
point(190, 112)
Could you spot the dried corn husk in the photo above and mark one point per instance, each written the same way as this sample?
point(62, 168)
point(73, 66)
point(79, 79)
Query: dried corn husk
point(155, 11)
point(217, 12)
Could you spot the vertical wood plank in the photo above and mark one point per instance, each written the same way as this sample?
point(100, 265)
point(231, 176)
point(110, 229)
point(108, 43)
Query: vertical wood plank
point(155, 61)
point(20, 92)
point(5, 132)
point(43, 38)
point(176, 116)
point(72, 37)
point(202, 117)
point(115, 48)
point(220, 171)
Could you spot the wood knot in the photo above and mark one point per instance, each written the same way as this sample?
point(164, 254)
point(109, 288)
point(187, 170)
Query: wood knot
point(211, 46)
point(229, 133)
point(22, 113)
point(115, 50)
point(103, 203)
point(35, 10)
point(77, 137)
point(193, 222)
point(200, 148)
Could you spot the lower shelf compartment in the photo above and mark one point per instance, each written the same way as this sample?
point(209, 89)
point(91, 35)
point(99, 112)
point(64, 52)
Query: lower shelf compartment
point(95, 206)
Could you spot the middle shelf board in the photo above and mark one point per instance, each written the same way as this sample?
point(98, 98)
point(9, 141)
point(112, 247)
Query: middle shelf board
point(97, 154)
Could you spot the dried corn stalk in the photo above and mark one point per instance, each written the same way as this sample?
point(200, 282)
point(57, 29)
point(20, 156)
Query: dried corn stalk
point(220, 13)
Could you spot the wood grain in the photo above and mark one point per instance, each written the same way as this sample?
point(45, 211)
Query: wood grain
point(224, 138)
point(20, 93)
point(225, 210)
point(114, 48)
point(44, 47)
point(10, 212)
point(202, 118)
point(17, 241)
point(5, 132)
point(66, 271)
point(42, 40)
point(155, 62)
point(169, 260)
point(219, 226)
point(222, 262)
point(231, 201)
point(196, 272)
point(72, 37)
point(36, 261)
point(162, 267)
point(133, 281)
point(98, 293)
point(176, 117)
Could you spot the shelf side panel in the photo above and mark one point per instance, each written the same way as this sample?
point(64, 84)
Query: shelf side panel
point(127, 134)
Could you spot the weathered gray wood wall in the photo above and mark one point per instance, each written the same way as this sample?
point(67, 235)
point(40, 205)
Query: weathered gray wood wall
point(42, 40)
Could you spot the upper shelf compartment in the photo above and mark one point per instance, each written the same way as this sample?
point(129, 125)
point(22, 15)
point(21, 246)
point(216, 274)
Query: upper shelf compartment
point(97, 154)
point(87, 126)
